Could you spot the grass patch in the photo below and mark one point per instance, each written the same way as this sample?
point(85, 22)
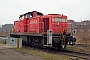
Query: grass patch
point(43, 54)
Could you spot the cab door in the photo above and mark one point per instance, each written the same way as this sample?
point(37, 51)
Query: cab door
point(46, 24)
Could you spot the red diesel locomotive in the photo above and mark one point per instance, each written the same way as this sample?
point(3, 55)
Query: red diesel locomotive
point(43, 30)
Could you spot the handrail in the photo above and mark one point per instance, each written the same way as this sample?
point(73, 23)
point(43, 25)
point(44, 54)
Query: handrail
point(35, 28)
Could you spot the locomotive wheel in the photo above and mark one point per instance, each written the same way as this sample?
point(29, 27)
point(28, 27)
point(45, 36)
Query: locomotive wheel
point(40, 43)
point(59, 46)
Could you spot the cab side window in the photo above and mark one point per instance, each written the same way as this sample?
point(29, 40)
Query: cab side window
point(27, 15)
point(21, 17)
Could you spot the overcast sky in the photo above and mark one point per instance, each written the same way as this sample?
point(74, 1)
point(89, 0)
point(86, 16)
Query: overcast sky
point(75, 9)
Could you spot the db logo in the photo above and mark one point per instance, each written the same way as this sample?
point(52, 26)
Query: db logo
point(33, 22)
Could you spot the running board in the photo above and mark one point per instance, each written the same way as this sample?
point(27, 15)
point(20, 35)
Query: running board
point(48, 45)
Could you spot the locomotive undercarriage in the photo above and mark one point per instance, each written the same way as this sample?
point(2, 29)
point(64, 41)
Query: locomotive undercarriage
point(40, 40)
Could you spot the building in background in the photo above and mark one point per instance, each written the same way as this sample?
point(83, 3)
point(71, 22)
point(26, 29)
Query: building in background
point(1, 29)
point(7, 27)
point(71, 25)
point(82, 26)
point(0, 26)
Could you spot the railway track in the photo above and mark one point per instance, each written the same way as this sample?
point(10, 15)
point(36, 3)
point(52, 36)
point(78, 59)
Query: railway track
point(76, 54)
point(83, 56)
point(82, 45)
